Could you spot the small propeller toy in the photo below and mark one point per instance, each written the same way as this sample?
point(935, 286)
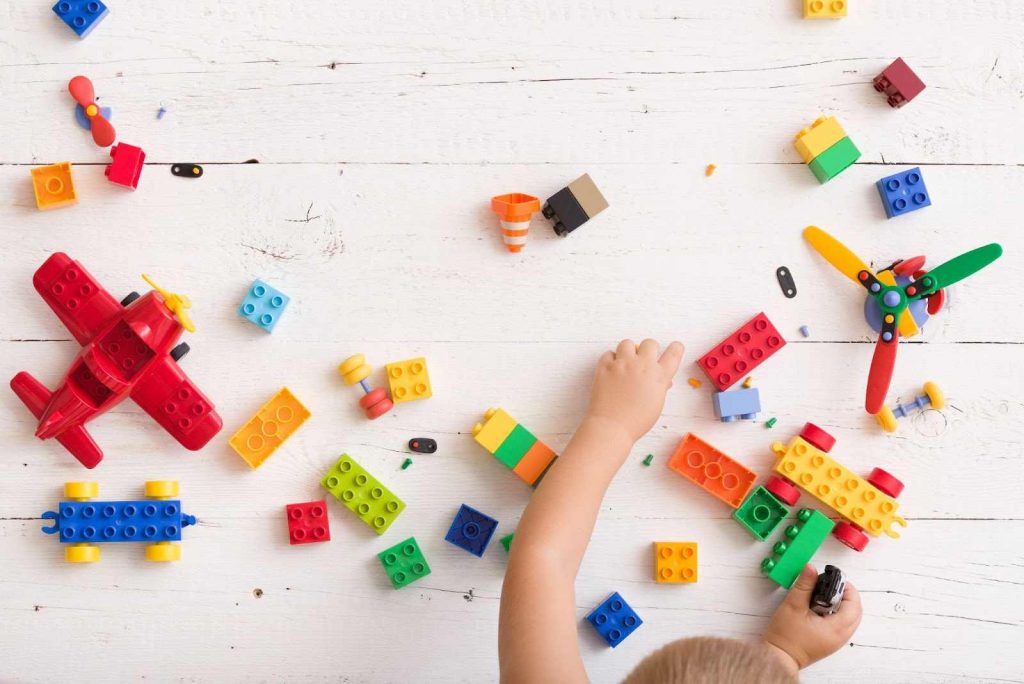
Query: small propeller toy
point(177, 303)
point(102, 131)
point(893, 300)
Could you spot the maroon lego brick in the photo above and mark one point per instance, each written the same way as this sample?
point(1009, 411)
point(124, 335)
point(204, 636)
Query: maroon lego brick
point(307, 522)
point(741, 352)
point(127, 165)
point(899, 83)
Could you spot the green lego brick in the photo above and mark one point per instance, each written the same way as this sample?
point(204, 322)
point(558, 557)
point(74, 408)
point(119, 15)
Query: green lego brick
point(515, 446)
point(799, 544)
point(761, 513)
point(362, 494)
point(506, 541)
point(834, 160)
point(404, 563)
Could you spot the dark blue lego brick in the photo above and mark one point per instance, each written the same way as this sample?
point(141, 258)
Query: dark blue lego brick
point(903, 192)
point(147, 520)
point(81, 17)
point(738, 404)
point(263, 305)
point(471, 530)
point(614, 620)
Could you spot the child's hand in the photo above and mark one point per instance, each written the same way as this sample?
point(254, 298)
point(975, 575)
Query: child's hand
point(630, 385)
point(798, 633)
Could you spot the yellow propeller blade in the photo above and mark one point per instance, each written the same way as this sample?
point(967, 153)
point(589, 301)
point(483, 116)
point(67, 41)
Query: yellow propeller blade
point(836, 253)
point(176, 303)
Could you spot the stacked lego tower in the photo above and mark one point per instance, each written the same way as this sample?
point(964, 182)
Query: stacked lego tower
point(826, 148)
point(514, 445)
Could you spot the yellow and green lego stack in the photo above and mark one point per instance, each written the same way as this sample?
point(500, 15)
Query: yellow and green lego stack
point(514, 445)
point(826, 148)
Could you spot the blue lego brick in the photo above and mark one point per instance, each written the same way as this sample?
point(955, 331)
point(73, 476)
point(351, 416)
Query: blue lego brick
point(263, 305)
point(738, 404)
point(146, 520)
point(471, 530)
point(903, 192)
point(614, 620)
point(82, 16)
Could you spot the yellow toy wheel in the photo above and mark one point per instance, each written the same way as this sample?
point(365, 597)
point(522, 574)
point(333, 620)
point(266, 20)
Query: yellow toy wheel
point(935, 395)
point(162, 489)
point(163, 552)
point(354, 369)
point(80, 491)
point(886, 419)
point(82, 553)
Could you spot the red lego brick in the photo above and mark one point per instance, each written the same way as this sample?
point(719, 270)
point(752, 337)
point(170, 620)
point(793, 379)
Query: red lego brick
point(711, 470)
point(127, 165)
point(899, 83)
point(307, 522)
point(743, 351)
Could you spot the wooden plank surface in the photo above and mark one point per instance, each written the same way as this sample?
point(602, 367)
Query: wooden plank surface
point(381, 130)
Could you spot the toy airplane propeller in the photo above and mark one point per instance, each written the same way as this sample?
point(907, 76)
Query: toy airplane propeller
point(177, 303)
point(102, 131)
point(893, 300)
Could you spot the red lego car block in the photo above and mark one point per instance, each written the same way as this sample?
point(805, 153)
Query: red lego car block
point(127, 165)
point(307, 522)
point(899, 83)
point(741, 352)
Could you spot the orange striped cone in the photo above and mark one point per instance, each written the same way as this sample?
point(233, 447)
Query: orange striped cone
point(514, 212)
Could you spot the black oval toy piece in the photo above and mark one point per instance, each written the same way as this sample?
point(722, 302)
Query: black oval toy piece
point(187, 170)
point(786, 282)
point(828, 591)
point(423, 445)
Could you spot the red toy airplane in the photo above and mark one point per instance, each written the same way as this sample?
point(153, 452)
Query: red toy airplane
point(127, 351)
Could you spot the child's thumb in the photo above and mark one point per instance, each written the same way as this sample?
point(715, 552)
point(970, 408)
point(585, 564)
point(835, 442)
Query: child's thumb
point(804, 585)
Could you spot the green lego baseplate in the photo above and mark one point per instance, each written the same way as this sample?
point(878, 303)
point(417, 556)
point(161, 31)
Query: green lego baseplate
point(404, 563)
point(362, 494)
point(761, 513)
point(800, 542)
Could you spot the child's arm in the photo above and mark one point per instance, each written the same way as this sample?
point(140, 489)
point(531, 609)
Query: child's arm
point(799, 636)
point(537, 628)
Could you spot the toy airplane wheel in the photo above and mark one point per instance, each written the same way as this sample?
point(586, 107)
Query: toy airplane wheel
point(85, 553)
point(162, 489)
point(886, 419)
point(848, 535)
point(80, 491)
point(163, 553)
point(354, 369)
point(935, 395)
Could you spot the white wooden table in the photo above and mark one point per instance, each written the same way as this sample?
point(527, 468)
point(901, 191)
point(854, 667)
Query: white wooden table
point(381, 130)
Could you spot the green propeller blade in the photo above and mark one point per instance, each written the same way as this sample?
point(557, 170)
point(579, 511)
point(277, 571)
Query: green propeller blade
point(968, 263)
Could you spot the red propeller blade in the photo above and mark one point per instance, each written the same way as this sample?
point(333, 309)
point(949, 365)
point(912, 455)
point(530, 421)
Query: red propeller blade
point(102, 131)
point(81, 89)
point(882, 363)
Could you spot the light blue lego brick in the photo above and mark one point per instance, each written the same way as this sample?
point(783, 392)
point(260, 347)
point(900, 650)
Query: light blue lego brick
point(614, 620)
point(903, 192)
point(81, 16)
point(146, 520)
point(738, 404)
point(263, 305)
point(471, 530)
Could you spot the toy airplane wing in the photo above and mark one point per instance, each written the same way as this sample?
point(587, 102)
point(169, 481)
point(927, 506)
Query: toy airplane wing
point(170, 398)
point(78, 300)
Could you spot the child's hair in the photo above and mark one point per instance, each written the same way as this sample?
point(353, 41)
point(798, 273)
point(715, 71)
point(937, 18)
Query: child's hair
point(707, 660)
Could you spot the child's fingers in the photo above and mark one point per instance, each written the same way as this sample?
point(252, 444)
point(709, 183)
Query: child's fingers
point(606, 358)
point(671, 358)
point(625, 349)
point(850, 609)
point(648, 349)
point(800, 594)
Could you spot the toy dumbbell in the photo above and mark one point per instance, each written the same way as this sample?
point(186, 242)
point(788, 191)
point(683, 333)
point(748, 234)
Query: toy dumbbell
point(932, 397)
point(376, 402)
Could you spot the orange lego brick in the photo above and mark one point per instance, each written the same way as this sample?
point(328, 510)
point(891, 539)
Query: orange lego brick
point(271, 427)
point(534, 462)
point(712, 470)
point(675, 562)
point(53, 186)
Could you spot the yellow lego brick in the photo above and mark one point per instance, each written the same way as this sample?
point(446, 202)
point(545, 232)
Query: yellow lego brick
point(832, 484)
point(408, 380)
point(271, 427)
point(495, 429)
point(824, 9)
point(675, 562)
point(822, 134)
point(53, 186)
point(908, 326)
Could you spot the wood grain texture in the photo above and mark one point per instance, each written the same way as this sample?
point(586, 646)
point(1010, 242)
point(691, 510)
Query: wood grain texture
point(381, 131)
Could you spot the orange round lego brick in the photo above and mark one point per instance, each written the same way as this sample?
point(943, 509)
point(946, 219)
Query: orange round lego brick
point(849, 535)
point(885, 482)
point(818, 437)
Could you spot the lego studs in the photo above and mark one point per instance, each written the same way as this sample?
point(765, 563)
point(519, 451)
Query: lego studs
point(376, 402)
point(514, 212)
